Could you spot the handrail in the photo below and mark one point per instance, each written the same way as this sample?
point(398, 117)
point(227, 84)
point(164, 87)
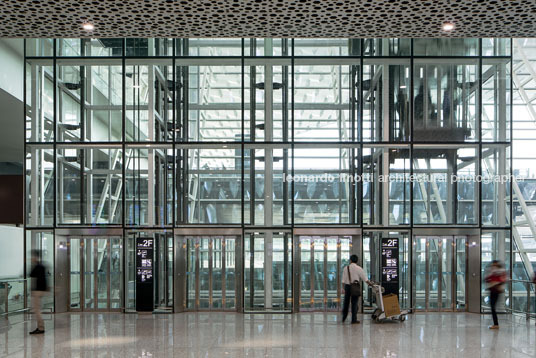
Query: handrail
point(528, 309)
point(14, 280)
point(525, 281)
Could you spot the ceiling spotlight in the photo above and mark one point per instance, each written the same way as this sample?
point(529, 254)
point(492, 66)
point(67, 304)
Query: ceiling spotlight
point(448, 26)
point(88, 27)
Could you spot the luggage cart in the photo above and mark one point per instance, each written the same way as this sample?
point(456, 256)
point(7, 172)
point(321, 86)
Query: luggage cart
point(379, 313)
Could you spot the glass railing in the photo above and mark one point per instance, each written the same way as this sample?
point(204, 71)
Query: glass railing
point(524, 298)
point(13, 295)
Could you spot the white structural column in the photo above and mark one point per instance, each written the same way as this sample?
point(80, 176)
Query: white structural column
point(150, 138)
point(35, 160)
point(385, 137)
point(268, 174)
point(87, 163)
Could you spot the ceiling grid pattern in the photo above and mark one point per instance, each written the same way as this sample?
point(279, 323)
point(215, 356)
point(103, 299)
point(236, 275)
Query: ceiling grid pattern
point(267, 18)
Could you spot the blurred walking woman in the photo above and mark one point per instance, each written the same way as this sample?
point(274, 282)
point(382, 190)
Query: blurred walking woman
point(495, 279)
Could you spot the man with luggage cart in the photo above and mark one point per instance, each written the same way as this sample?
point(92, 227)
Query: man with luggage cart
point(352, 277)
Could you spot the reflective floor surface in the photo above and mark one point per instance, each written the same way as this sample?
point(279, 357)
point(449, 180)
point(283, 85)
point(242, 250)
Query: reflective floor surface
point(243, 335)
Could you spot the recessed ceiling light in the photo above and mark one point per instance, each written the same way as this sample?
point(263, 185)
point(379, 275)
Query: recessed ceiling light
point(448, 26)
point(88, 27)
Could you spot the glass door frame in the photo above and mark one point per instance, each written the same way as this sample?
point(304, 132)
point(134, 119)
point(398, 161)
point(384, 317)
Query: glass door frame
point(181, 253)
point(470, 234)
point(356, 247)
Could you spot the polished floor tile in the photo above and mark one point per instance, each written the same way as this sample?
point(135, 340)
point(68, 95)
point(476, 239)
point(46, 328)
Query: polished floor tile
point(301, 335)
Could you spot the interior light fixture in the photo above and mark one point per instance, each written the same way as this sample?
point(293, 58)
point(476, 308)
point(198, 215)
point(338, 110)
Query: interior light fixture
point(88, 27)
point(448, 26)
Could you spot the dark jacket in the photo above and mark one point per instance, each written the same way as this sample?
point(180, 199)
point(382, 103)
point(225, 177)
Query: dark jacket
point(39, 282)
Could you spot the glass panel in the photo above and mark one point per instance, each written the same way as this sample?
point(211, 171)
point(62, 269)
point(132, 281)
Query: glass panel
point(322, 182)
point(387, 47)
point(204, 273)
point(445, 190)
point(269, 206)
point(98, 196)
point(40, 47)
point(445, 105)
point(322, 102)
point(43, 242)
point(69, 47)
point(149, 102)
point(230, 273)
point(209, 47)
point(149, 183)
point(305, 272)
point(420, 273)
point(496, 101)
point(75, 278)
point(103, 261)
point(346, 246)
point(130, 276)
point(461, 266)
point(89, 101)
point(326, 47)
point(217, 266)
point(267, 47)
point(191, 273)
point(116, 272)
point(280, 273)
point(90, 47)
point(445, 47)
point(386, 170)
point(39, 115)
point(89, 274)
point(214, 186)
point(149, 47)
point(258, 273)
point(39, 204)
point(319, 273)
point(496, 185)
point(495, 245)
point(214, 99)
point(267, 110)
point(448, 245)
point(163, 278)
point(386, 114)
point(170, 273)
point(404, 269)
point(432, 244)
point(496, 47)
point(248, 269)
point(332, 271)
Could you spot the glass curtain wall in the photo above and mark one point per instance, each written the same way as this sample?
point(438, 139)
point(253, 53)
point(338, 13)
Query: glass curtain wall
point(373, 133)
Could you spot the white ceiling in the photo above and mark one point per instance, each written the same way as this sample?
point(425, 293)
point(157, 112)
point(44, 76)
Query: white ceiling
point(268, 18)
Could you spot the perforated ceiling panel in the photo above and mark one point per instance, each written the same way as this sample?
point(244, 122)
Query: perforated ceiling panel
point(267, 18)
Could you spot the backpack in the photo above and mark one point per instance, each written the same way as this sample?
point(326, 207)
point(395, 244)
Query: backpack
point(355, 287)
